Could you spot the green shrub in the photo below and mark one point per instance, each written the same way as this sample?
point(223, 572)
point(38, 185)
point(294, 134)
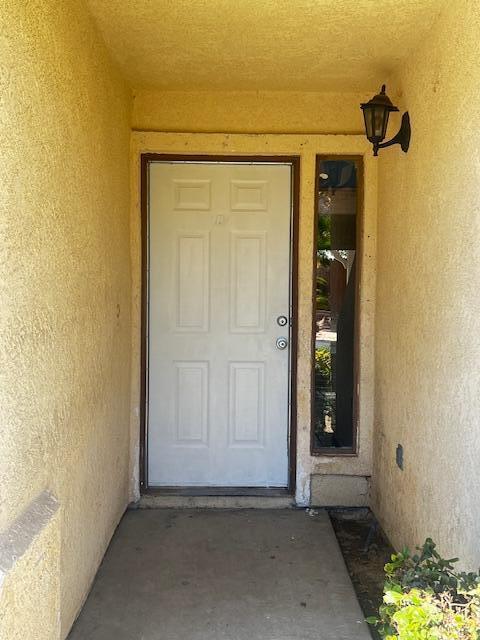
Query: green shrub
point(426, 599)
point(323, 365)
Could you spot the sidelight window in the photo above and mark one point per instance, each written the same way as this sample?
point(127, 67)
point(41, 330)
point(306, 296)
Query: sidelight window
point(335, 305)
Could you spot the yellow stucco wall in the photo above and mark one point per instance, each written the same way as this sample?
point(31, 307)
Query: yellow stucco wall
point(307, 147)
point(428, 298)
point(248, 111)
point(65, 302)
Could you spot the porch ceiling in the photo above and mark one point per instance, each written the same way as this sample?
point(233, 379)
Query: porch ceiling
point(304, 45)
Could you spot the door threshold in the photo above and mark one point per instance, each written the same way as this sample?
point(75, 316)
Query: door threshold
point(215, 498)
point(218, 491)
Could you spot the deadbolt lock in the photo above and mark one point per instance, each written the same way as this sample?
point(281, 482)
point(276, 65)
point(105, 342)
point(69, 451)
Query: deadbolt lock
point(282, 321)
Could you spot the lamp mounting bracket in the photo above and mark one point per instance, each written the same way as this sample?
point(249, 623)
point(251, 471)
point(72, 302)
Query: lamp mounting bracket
point(402, 138)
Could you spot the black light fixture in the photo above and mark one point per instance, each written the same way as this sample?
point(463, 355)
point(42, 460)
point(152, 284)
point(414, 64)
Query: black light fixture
point(375, 113)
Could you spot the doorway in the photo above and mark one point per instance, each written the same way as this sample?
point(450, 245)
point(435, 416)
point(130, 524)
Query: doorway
point(219, 322)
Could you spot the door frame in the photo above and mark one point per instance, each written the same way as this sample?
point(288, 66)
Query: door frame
point(294, 162)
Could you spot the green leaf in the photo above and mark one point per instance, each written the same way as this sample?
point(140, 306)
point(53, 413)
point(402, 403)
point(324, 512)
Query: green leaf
point(392, 597)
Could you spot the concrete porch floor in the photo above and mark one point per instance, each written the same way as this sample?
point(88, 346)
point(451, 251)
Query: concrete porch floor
point(222, 575)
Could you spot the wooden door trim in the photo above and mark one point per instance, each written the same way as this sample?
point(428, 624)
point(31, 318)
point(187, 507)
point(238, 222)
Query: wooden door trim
point(294, 162)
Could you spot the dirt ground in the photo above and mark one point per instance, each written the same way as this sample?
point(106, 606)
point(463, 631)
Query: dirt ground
point(365, 550)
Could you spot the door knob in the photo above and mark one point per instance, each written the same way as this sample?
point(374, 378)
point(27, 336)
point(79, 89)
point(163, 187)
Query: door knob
point(282, 343)
point(282, 321)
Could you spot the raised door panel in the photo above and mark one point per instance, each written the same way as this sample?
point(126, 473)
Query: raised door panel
point(248, 195)
point(247, 282)
point(191, 195)
point(247, 404)
point(192, 281)
point(191, 403)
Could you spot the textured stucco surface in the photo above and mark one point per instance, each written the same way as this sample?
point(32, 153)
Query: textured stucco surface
point(248, 111)
point(16, 540)
point(339, 491)
point(65, 301)
point(428, 298)
point(306, 147)
point(30, 588)
point(306, 45)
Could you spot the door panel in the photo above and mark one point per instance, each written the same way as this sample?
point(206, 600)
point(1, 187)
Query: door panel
point(219, 276)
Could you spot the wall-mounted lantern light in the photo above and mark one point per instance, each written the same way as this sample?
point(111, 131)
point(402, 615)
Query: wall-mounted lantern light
point(375, 113)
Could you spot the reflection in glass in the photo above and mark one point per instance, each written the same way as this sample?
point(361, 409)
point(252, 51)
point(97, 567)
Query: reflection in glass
point(335, 304)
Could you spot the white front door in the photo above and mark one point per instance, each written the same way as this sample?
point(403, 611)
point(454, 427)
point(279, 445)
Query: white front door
point(219, 281)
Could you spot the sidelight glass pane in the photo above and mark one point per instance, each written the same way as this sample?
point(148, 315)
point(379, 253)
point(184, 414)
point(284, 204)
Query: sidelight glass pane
point(335, 298)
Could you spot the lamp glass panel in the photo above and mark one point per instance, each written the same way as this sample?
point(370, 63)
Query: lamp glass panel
point(380, 118)
point(368, 117)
